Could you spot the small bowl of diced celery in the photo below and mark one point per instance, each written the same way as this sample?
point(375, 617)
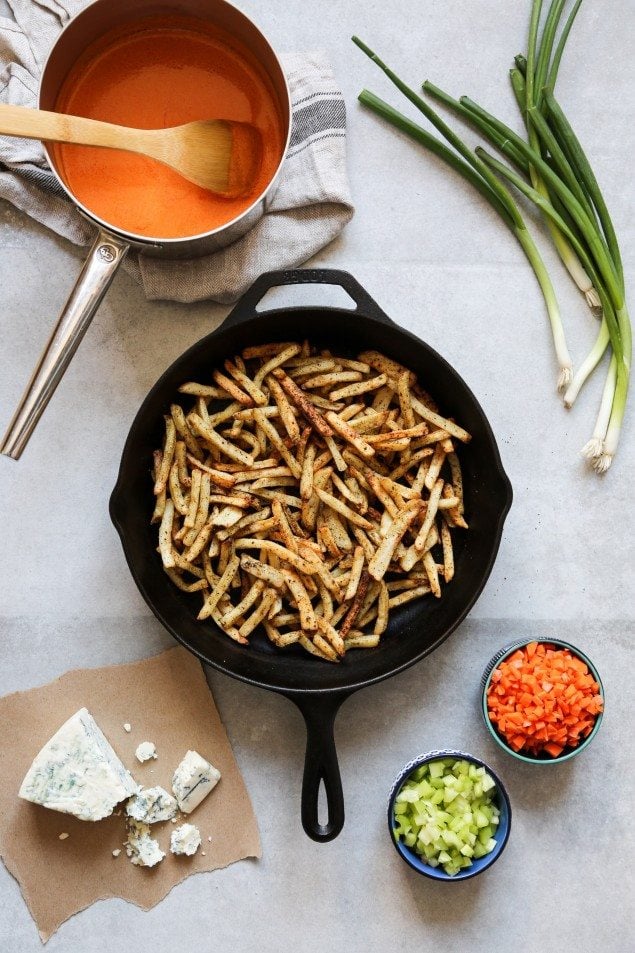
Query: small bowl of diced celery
point(449, 815)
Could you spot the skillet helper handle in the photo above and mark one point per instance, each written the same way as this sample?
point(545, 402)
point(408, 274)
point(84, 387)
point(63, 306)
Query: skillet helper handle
point(321, 767)
point(247, 306)
point(99, 269)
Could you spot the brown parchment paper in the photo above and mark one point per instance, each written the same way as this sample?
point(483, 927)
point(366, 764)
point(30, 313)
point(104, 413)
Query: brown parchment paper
point(166, 700)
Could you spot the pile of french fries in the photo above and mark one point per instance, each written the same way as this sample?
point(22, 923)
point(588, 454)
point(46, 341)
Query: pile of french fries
point(308, 494)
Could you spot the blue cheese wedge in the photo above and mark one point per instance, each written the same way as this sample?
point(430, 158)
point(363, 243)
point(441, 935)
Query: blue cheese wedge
point(77, 772)
point(186, 839)
point(151, 805)
point(193, 780)
point(143, 850)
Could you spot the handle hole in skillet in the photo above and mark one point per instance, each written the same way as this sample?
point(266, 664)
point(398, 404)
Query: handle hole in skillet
point(322, 805)
point(305, 296)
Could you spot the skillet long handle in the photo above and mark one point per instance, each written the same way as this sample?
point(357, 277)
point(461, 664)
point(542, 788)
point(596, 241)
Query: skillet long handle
point(321, 766)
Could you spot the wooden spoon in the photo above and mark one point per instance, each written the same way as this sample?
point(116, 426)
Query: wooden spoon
point(216, 154)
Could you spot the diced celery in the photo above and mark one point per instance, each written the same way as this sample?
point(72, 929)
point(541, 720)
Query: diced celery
point(444, 857)
point(410, 839)
point(449, 795)
point(488, 782)
point(481, 819)
point(436, 769)
point(467, 851)
point(484, 834)
point(401, 807)
point(437, 797)
point(408, 795)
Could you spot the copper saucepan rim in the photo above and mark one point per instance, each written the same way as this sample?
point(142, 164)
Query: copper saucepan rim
point(146, 240)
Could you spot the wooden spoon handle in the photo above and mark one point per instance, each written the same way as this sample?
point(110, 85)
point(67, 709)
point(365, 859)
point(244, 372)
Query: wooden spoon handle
point(56, 127)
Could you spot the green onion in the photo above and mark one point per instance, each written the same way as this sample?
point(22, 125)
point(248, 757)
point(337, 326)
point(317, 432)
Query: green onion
point(551, 170)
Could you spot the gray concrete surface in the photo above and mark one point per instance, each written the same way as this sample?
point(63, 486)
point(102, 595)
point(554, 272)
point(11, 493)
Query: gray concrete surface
point(442, 266)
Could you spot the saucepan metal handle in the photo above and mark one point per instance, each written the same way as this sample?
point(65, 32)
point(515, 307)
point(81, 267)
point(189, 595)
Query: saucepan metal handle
point(247, 307)
point(321, 766)
point(99, 269)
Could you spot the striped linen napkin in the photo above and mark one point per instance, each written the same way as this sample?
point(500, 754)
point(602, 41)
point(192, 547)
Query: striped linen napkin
point(309, 207)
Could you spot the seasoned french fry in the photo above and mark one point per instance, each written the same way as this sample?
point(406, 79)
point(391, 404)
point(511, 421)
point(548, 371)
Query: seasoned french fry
point(306, 477)
point(166, 458)
point(386, 365)
point(203, 390)
point(262, 571)
point(362, 387)
point(246, 383)
point(378, 565)
point(430, 516)
point(356, 606)
point(285, 554)
point(297, 589)
point(237, 611)
point(221, 587)
point(351, 436)
point(286, 411)
point(176, 493)
point(338, 459)
point(457, 479)
point(383, 606)
point(430, 566)
point(179, 582)
point(303, 404)
point(259, 614)
point(184, 432)
point(267, 427)
point(225, 480)
point(277, 360)
point(434, 469)
point(356, 640)
point(165, 536)
point(407, 596)
point(232, 388)
point(343, 509)
point(195, 491)
point(283, 523)
point(331, 635)
point(448, 552)
point(356, 572)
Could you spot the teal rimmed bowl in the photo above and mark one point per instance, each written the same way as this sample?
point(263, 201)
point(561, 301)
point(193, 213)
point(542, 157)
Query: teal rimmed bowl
point(567, 753)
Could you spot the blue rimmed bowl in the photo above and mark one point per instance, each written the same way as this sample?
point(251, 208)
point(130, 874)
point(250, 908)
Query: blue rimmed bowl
point(501, 799)
point(486, 679)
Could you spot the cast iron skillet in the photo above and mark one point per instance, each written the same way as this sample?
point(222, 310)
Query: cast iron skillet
point(416, 629)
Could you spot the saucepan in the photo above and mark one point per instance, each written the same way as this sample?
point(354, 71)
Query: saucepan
point(112, 243)
point(414, 629)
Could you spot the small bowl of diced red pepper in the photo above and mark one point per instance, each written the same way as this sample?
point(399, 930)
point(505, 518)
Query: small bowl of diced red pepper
point(542, 701)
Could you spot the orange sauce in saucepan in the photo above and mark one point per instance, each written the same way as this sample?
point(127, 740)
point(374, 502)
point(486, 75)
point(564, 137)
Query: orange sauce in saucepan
point(162, 72)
